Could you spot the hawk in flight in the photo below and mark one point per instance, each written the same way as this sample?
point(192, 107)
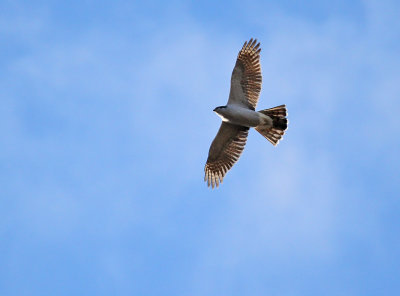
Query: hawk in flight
point(239, 115)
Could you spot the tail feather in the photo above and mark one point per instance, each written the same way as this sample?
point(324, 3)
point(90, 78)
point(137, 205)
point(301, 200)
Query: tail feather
point(279, 124)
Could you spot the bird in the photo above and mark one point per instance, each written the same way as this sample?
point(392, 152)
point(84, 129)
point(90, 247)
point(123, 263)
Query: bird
point(239, 115)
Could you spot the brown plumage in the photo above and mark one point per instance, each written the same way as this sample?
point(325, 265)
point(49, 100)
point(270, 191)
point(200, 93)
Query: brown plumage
point(247, 74)
point(279, 124)
point(225, 150)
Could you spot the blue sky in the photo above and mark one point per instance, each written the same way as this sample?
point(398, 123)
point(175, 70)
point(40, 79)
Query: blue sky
point(106, 121)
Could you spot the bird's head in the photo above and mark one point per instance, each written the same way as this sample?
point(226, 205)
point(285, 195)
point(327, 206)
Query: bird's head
point(221, 112)
point(219, 109)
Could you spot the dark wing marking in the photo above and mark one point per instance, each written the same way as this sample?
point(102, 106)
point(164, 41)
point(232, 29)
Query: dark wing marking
point(224, 151)
point(246, 76)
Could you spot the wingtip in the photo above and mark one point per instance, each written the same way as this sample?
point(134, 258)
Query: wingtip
point(213, 180)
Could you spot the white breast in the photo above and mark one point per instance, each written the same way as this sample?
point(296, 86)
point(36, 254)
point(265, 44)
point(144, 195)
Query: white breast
point(223, 118)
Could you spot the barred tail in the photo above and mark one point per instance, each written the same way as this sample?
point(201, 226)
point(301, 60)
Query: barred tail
point(279, 124)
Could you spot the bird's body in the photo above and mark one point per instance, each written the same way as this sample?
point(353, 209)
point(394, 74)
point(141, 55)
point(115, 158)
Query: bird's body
point(239, 115)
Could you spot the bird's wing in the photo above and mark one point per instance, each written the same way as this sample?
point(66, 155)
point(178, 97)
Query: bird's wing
point(246, 76)
point(225, 150)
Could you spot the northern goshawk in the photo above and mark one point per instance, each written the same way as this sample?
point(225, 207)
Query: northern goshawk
point(239, 115)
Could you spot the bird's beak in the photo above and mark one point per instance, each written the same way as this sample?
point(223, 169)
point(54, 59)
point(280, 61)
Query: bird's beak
point(215, 110)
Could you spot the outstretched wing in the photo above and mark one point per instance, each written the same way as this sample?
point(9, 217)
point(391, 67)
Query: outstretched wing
point(246, 76)
point(225, 150)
